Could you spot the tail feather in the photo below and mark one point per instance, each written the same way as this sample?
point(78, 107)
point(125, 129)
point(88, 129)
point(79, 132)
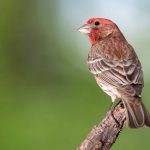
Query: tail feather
point(137, 115)
point(147, 116)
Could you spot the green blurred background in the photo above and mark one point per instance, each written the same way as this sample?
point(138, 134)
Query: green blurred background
point(48, 98)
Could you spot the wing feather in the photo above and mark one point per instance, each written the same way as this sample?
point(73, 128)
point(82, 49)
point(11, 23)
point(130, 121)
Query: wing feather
point(124, 75)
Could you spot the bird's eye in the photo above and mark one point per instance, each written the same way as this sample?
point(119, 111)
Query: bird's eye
point(97, 23)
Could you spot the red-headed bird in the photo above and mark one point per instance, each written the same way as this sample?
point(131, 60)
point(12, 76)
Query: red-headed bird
point(116, 68)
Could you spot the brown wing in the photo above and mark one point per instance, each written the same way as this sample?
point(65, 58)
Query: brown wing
point(124, 74)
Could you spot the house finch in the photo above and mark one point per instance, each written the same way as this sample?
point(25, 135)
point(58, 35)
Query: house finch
point(116, 68)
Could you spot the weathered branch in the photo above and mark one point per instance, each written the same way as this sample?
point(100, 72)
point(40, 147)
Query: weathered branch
point(106, 132)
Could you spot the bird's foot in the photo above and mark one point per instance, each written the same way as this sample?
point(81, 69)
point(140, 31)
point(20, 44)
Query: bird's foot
point(111, 108)
point(116, 121)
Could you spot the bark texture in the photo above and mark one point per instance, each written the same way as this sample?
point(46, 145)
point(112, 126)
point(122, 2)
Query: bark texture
point(106, 132)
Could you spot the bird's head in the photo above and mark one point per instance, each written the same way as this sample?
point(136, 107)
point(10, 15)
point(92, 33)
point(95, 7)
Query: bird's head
point(98, 29)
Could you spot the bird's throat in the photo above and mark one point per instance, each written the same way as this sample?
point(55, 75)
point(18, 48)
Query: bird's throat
point(94, 37)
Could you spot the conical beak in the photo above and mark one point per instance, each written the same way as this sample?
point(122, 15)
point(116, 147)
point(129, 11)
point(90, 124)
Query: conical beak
point(85, 29)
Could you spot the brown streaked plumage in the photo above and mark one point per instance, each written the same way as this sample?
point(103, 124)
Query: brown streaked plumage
point(116, 68)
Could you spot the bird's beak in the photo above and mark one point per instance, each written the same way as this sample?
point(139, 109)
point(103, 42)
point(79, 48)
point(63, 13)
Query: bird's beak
point(85, 29)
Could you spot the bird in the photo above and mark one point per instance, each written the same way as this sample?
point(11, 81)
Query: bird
point(116, 68)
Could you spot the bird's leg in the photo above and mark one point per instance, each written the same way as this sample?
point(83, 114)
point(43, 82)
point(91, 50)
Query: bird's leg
point(113, 104)
point(111, 107)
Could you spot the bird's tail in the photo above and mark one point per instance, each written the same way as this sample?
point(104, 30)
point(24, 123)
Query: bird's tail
point(137, 115)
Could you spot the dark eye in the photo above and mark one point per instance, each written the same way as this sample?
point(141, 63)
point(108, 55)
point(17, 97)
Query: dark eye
point(97, 23)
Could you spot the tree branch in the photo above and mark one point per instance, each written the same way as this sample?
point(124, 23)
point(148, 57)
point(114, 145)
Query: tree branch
point(106, 132)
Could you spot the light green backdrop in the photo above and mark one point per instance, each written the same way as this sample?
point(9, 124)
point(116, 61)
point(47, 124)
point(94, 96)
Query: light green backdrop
point(48, 98)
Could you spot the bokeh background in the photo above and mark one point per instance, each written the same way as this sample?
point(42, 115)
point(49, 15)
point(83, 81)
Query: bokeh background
point(48, 98)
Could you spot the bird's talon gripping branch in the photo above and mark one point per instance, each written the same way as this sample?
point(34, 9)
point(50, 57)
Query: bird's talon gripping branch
point(116, 121)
